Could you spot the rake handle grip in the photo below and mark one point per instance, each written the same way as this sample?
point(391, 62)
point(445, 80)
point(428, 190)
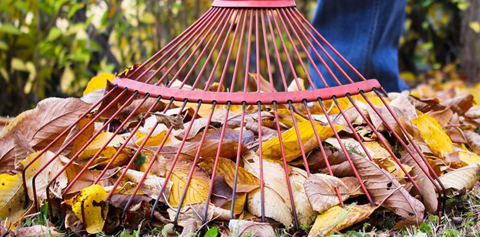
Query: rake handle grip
point(254, 3)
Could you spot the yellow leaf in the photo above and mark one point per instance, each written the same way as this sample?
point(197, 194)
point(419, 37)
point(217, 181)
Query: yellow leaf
point(157, 136)
point(432, 133)
point(89, 206)
point(197, 191)
point(246, 181)
point(272, 150)
point(469, 158)
point(475, 26)
point(239, 204)
point(332, 108)
point(108, 152)
point(98, 82)
point(12, 197)
point(285, 117)
point(337, 218)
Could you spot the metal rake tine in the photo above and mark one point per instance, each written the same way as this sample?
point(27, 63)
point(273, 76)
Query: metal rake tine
point(60, 136)
point(260, 155)
point(64, 147)
point(215, 165)
point(175, 159)
point(386, 146)
point(185, 34)
point(322, 150)
point(285, 165)
point(237, 163)
point(195, 162)
point(347, 155)
point(77, 154)
point(144, 176)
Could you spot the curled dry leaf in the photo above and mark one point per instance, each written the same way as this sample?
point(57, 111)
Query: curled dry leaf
point(303, 208)
point(337, 218)
point(473, 140)
point(384, 188)
point(461, 178)
point(426, 186)
point(242, 228)
point(39, 126)
point(151, 186)
point(320, 189)
point(277, 200)
point(45, 176)
point(459, 104)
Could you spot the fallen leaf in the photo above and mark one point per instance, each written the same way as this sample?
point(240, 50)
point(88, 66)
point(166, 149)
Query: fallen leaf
point(12, 197)
point(277, 200)
point(246, 181)
point(320, 189)
point(272, 150)
point(89, 206)
point(240, 228)
point(197, 191)
point(39, 126)
point(473, 140)
point(465, 177)
point(303, 208)
point(337, 218)
point(98, 82)
point(45, 176)
point(459, 104)
point(108, 152)
point(38, 231)
point(384, 188)
point(426, 186)
point(433, 134)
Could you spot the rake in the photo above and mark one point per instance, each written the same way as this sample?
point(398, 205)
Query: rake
point(214, 64)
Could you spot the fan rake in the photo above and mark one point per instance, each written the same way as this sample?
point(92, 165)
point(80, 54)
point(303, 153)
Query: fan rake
point(212, 66)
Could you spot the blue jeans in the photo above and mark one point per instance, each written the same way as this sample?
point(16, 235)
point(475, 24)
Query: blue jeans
point(366, 33)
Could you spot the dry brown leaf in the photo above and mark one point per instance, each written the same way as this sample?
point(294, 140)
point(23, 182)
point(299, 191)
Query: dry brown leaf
point(443, 116)
point(426, 186)
point(194, 214)
point(320, 189)
point(303, 208)
point(38, 231)
point(465, 177)
point(167, 120)
point(39, 126)
point(242, 228)
point(384, 188)
point(337, 218)
point(459, 104)
point(45, 176)
point(353, 185)
point(277, 200)
point(473, 140)
point(246, 181)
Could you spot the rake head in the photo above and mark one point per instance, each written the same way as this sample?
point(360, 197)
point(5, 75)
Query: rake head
point(226, 97)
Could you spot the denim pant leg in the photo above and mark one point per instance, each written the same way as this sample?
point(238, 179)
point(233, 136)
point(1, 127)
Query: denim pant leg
point(366, 33)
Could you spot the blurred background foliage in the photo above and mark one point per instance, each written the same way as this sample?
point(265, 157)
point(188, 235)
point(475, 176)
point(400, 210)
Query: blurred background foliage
point(53, 47)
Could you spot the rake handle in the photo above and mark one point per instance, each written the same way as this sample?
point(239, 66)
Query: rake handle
point(254, 3)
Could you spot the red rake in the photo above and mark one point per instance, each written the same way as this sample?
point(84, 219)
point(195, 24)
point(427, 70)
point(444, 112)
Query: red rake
point(232, 39)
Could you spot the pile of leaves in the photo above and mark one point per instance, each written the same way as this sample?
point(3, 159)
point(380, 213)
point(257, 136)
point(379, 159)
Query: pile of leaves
point(442, 118)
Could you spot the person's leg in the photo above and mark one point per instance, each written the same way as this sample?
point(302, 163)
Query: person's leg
point(367, 34)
